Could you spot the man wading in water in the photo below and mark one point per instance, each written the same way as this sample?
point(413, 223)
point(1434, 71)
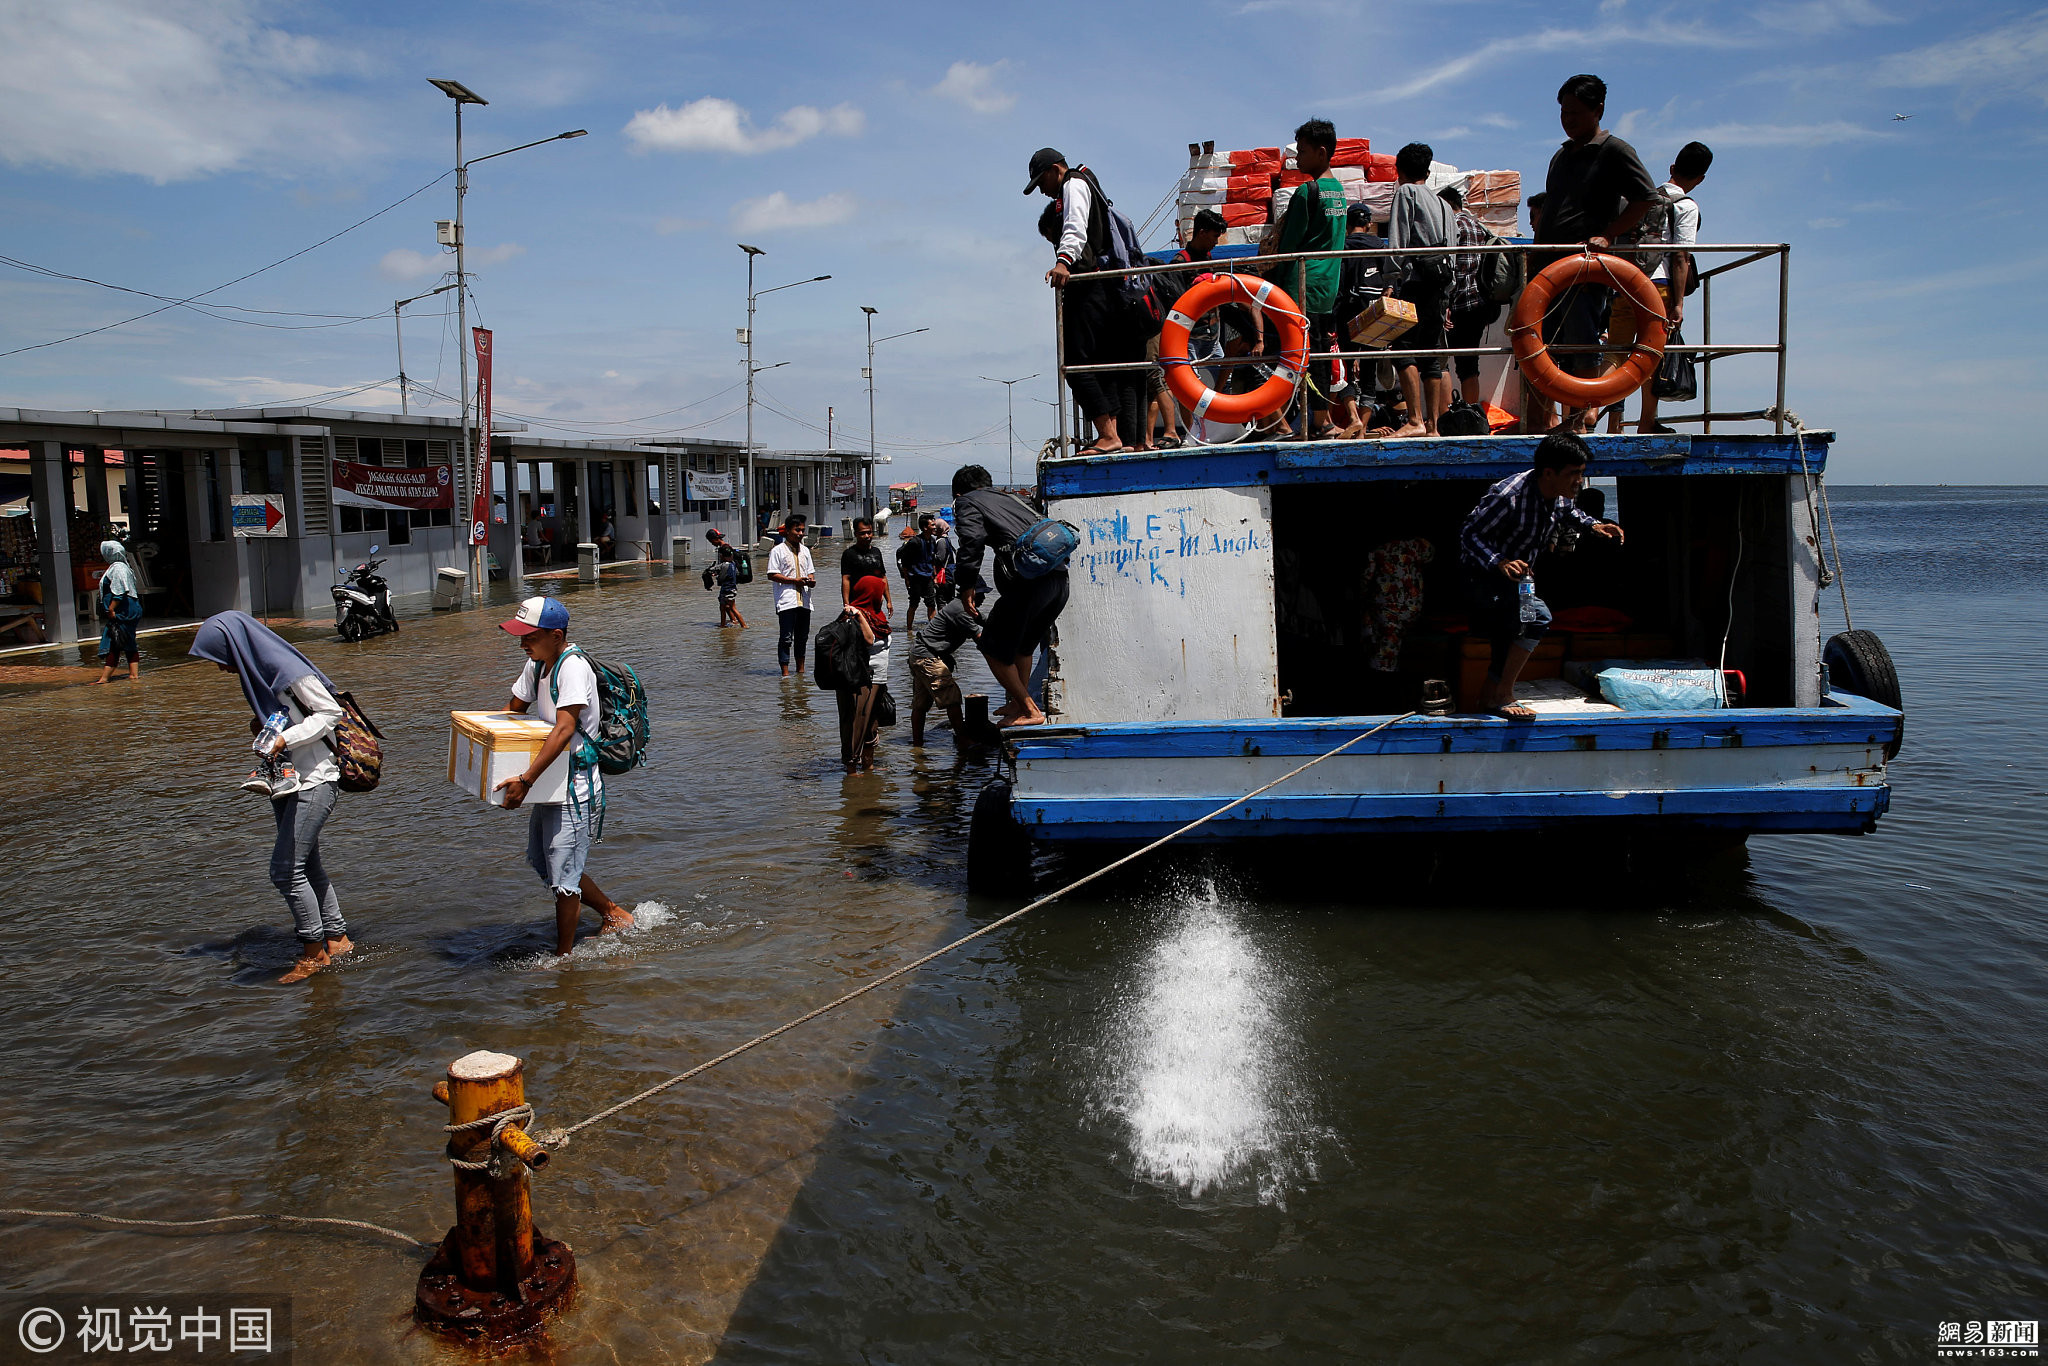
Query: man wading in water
point(559, 682)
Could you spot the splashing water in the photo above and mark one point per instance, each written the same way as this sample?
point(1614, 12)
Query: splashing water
point(1200, 1066)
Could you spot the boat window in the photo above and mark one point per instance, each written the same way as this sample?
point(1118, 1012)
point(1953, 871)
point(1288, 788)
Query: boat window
point(1369, 599)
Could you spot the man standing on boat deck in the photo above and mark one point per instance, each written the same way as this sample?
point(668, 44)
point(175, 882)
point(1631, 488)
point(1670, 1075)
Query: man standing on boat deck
point(1025, 610)
point(1596, 191)
point(1497, 550)
point(1097, 326)
point(1314, 221)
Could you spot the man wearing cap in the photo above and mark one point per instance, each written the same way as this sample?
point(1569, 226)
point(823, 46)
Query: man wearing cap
point(558, 834)
point(1099, 329)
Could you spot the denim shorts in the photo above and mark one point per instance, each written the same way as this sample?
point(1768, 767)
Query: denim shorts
point(558, 845)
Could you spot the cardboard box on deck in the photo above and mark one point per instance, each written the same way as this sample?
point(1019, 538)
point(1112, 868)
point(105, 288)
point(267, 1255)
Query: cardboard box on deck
point(487, 747)
point(1382, 321)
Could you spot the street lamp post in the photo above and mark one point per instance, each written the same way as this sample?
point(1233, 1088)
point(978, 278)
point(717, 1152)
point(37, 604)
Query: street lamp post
point(404, 407)
point(747, 512)
point(462, 94)
point(1010, 401)
point(869, 375)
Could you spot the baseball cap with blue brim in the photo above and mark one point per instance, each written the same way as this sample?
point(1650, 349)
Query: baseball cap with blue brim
point(538, 614)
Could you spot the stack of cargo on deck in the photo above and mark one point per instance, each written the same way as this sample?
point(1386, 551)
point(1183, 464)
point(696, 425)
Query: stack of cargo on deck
point(1251, 188)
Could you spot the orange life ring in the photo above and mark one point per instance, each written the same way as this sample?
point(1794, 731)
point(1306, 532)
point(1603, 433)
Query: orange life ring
point(1187, 386)
point(1540, 371)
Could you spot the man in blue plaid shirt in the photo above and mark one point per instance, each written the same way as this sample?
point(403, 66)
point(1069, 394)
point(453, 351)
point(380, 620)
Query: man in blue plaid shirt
point(1505, 531)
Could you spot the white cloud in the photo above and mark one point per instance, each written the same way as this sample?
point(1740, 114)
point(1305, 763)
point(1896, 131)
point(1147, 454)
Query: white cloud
point(1813, 17)
point(1827, 222)
point(1662, 34)
point(407, 264)
point(715, 125)
point(778, 212)
point(974, 85)
point(167, 90)
point(1785, 134)
point(2012, 60)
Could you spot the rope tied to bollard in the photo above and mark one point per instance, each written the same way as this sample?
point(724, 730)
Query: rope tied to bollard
point(555, 1139)
point(497, 1123)
point(288, 1220)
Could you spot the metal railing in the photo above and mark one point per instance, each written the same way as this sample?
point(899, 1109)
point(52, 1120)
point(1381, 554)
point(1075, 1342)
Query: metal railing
point(1707, 350)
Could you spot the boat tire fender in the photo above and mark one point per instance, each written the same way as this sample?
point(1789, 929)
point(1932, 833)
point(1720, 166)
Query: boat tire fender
point(1540, 370)
point(1857, 662)
point(998, 848)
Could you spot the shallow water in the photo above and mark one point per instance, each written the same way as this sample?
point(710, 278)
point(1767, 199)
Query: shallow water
point(1783, 1107)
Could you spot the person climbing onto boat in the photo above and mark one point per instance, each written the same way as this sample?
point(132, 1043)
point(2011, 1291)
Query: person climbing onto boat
point(1025, 610)
point(1497, 550)
point(277, 678)
point(561, 686)
point(932, 647)
point(120, 609)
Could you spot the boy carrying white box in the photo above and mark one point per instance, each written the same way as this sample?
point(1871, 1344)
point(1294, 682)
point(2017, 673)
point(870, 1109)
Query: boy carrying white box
point(559, 833)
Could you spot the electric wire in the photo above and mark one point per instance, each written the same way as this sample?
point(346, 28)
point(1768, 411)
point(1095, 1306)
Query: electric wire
point(190, 298)
point(210, 310)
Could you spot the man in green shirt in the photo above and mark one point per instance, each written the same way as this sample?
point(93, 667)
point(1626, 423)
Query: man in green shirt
point(1315, 222)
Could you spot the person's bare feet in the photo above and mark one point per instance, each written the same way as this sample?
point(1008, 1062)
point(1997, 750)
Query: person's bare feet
point(309, 963)
point(1031, 718)
point(615, 919)
point(1411, 429)
point(340, 948)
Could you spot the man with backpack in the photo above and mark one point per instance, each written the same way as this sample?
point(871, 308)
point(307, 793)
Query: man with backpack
point(1026, 606)
point(559, 683)
point(1471, 310)
point(1673, 220)
point(1101, 325)
point(1420, 219)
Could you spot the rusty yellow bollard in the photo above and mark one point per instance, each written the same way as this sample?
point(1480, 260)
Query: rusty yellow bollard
point(494, 1276)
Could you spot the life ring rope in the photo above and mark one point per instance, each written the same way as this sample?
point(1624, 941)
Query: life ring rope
point(1210, 293)
point(1540, 370)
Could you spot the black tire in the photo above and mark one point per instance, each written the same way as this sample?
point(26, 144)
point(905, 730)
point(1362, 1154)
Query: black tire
point(1857, 662)
point(998, 849)
point(352, 628)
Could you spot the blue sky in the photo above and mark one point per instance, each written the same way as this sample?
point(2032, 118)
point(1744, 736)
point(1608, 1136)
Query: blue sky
point(171, 146)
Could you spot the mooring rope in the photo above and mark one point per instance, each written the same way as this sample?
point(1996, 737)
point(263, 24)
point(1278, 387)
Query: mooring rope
point(497, 1121)
point(286, 1219)
point(1817, 491)
point(554, 1140)
point(557, 1138)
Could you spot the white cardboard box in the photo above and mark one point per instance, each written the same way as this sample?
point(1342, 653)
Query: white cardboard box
point(487, 747)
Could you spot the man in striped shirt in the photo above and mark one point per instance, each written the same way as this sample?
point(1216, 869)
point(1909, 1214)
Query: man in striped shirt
point(1503, 534)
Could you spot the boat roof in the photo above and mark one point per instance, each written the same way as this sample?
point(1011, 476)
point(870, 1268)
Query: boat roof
point(1443, 457)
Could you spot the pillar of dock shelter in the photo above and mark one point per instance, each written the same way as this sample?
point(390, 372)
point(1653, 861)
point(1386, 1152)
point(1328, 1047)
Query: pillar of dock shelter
point(49, 480)
point(96, 485)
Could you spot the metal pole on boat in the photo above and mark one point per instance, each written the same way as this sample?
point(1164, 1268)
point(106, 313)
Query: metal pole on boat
point(1784, 312)
point(1059, 348)
point(494, 1275)
point(1707, 366)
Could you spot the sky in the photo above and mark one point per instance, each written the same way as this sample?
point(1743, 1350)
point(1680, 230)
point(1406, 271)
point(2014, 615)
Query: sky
point(169, 147)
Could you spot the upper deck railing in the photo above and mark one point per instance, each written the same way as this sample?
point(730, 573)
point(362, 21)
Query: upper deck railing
point(1273, 266)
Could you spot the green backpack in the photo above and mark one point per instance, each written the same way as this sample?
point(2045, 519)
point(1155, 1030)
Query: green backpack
point(621, 743)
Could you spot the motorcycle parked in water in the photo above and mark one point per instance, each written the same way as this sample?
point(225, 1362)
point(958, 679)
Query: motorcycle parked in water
point(362, 602)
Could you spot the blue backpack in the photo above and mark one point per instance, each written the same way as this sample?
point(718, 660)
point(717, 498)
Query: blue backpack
point(1044, 546)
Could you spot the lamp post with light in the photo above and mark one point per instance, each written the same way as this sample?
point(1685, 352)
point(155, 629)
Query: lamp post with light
point(475, 464)
point(869, 375)
point(747, 340)
point(1010, 401)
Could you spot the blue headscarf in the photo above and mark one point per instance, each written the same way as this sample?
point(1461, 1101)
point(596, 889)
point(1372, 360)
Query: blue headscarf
point(260, 657)
point(119, 580)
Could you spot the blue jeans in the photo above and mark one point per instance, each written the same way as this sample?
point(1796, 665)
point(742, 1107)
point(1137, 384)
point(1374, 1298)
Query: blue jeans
point(295, 863)
point(793, 630)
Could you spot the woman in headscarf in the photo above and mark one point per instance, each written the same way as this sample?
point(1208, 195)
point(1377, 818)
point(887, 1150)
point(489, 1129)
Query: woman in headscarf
point(275, 677)
point(869, 605)
point(120, 609)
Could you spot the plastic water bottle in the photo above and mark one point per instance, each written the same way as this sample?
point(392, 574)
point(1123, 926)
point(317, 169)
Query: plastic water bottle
point(1525, 593)
point(274, 727)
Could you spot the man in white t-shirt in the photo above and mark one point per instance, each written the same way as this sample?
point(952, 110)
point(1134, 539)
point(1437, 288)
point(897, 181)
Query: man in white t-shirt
point(1673, 220)
point(791, 571)
point(560, 685)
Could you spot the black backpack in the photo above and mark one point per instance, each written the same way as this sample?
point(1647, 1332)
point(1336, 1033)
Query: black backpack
point(1462, 419)
point(839, 656)
point(1498, 282)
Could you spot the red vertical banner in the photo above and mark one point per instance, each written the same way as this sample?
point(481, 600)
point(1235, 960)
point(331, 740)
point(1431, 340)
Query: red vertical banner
point(480, 466)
